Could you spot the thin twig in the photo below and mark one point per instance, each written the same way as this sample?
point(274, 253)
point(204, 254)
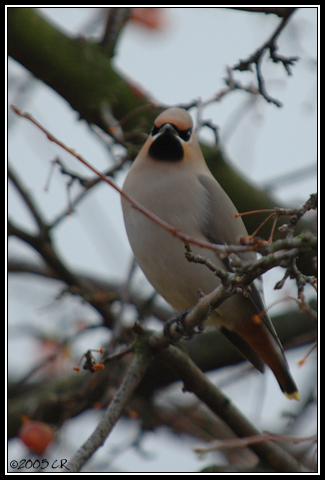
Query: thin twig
point(125, 297)
point(311, 204)
point(253, 439)
point(291, 247)
point(137, 369)
point(87, 185)
point(256, 58)
point(222, 249)
point(27, 199)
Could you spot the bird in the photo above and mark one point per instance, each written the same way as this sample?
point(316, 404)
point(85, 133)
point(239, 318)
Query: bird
point(170, 178)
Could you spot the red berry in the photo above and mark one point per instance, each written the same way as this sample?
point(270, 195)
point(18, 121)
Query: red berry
point(36, 435)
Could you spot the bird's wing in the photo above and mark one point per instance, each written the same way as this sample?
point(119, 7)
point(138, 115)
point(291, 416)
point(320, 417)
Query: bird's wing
point(222, 228)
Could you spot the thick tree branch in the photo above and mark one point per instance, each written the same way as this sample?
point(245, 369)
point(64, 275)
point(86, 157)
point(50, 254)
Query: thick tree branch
point(77, 69)
point(117, 18)
point(196, 382)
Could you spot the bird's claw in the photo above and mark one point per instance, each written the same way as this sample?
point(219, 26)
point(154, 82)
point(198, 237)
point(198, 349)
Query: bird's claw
point(178, 320)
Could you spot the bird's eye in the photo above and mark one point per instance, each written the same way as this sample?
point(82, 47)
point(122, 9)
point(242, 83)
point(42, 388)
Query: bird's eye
point(185, 134)
point(154, 131)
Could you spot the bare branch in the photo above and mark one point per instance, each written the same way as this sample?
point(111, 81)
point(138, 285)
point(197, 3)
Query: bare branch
point(196, 382)
point(297, 214)
point(138, 367)
point(42, 243)
point(117, 18)
point(113, 291)
point(247, 441)
point(222, 249)
point(27, 199)
point(256, 58)
point(287, 249)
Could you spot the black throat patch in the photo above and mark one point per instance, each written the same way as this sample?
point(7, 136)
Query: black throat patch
point(166, 148)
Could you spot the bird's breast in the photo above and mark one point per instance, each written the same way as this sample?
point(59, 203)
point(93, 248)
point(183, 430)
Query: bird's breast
point(181, 201)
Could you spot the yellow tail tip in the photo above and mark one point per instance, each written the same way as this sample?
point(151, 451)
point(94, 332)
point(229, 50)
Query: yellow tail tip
point(293, 396)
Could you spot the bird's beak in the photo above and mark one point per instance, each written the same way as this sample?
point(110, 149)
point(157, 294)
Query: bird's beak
point(168, 129)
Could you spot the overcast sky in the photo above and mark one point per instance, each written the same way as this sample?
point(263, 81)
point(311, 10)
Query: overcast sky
point(183, 61)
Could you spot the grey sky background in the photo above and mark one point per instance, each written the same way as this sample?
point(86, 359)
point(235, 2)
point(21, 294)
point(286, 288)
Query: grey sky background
point(186, 60)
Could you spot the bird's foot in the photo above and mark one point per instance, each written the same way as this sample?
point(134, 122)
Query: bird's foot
point(176, 324)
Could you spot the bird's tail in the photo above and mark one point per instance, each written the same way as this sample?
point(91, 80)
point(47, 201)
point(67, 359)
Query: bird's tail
point(269, 349)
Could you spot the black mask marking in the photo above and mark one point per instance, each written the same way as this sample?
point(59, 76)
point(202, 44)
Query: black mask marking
point(167, 146)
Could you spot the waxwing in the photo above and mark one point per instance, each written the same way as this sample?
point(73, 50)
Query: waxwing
point(170, 178)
